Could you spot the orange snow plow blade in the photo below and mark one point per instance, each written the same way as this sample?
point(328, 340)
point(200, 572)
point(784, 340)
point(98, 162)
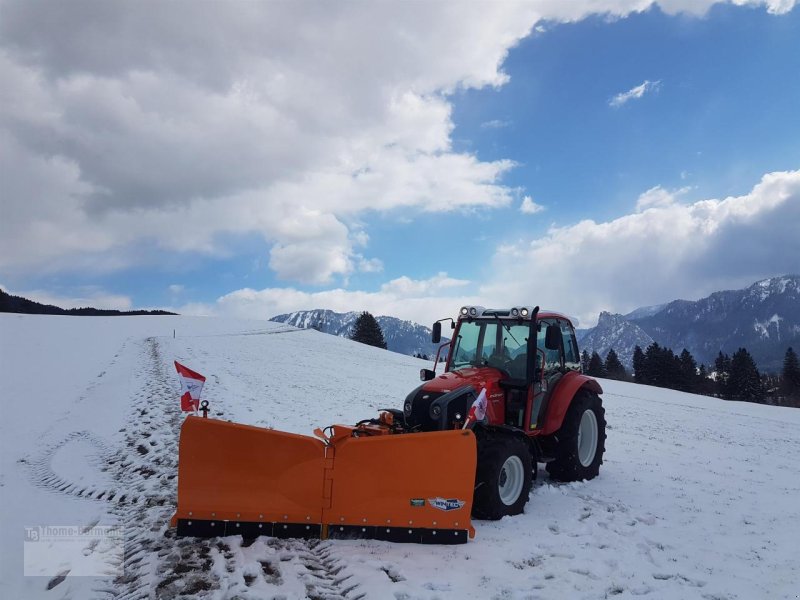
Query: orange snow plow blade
point(413, 487)
point(237, 479)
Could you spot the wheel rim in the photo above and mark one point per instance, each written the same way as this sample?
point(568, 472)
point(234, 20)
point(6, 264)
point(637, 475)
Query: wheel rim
point(512, 478)
point(587, 438)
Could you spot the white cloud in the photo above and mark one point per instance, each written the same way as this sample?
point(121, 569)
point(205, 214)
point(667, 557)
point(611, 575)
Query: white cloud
point(134, 133)
point(176, 289)
point(634, 93)
point(775, 7)
point(658, 197)
point(667, 251)
point(422, 301)
point(529, 207)
point(495, 124)
point(369, 265)
point(405, 287)
point(218, 122)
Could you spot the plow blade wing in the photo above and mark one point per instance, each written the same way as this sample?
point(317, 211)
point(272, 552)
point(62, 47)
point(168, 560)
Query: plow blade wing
point(404, 488)
point(239, 479)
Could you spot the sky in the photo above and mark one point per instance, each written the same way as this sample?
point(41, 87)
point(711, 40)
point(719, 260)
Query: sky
point(251, 159)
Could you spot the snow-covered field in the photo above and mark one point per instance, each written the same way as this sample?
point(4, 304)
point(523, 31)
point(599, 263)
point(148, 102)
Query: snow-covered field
point(698, 498)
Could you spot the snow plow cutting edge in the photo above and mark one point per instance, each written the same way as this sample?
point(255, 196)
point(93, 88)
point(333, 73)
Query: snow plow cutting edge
point(361, 482)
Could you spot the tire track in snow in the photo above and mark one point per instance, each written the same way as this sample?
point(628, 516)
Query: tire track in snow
point(327, 577)
point(147, 465)
point(46, 475)
point(141, 493)
point(159, 565)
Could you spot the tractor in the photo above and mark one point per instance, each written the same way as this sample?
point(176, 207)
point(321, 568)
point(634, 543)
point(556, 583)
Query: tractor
point(540, 407)
point(465, 443)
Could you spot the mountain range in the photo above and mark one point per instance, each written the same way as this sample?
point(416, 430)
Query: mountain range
point(405, 337)
point(764, 318)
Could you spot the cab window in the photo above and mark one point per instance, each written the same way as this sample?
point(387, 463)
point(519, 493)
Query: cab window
point(552, 358)
point(572, 359)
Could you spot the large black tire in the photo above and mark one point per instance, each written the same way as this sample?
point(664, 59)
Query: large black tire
point(503, 477)
point(567, 465)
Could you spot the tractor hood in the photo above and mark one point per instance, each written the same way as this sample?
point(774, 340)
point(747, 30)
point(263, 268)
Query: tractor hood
point(477, 377)
point(443, 402)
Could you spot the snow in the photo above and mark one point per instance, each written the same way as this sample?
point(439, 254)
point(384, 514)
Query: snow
point(697, 498)
point(763, 327)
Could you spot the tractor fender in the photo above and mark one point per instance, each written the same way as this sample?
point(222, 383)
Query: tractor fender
point(562, 397)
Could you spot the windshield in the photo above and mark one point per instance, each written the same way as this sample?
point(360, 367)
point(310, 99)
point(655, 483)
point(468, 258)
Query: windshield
point(493, 344)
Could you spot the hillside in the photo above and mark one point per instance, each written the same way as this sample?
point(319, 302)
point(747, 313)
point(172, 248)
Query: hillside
point(697, 497)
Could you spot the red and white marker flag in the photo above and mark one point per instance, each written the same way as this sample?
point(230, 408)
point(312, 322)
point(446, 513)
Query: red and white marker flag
point(477, 412)
point(191, 387)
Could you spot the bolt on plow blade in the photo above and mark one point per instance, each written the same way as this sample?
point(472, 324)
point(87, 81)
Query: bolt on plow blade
point(238, 479)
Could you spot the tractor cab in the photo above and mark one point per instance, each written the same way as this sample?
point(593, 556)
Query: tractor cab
point(518, 355)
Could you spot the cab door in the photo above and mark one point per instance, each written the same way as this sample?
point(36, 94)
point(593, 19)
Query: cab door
point(548, 368)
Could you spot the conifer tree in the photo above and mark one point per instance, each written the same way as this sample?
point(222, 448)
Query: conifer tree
point(688, 371)
point(585, 362)
point(367, 331)
point(653, 365)
point(596, 368)
point(745, 380)
point(613, 367)
point(722, 368)
point(790, 376)
point(638, 366)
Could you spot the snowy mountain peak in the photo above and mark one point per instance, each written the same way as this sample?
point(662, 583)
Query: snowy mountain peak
point(764, 318)
point(776, 286)
point(615, 331)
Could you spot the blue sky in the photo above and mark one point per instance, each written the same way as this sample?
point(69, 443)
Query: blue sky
point(278, 178)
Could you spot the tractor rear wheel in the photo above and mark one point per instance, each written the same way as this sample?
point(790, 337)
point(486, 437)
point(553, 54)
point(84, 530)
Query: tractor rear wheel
point(503, 477)
point(581, 440)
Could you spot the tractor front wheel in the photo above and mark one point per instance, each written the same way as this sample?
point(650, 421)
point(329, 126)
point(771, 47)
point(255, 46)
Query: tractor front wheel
point(581, 440)
point(503, 477)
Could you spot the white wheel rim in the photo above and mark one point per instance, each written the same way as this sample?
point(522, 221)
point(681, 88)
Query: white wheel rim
point(512, 477)
point(587, 438)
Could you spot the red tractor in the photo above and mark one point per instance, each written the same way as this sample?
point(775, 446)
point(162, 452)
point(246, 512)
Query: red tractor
point(416, 474)
point(540, 409)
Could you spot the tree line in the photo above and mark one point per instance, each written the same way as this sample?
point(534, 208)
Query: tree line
point(17, 304)
point(733, 377)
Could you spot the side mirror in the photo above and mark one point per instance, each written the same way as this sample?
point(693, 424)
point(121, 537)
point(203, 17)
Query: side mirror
point(552, 337)
point(426, 374)
point(436, 335)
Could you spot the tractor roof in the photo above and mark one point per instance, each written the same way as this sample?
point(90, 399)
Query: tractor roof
point(515, 312)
